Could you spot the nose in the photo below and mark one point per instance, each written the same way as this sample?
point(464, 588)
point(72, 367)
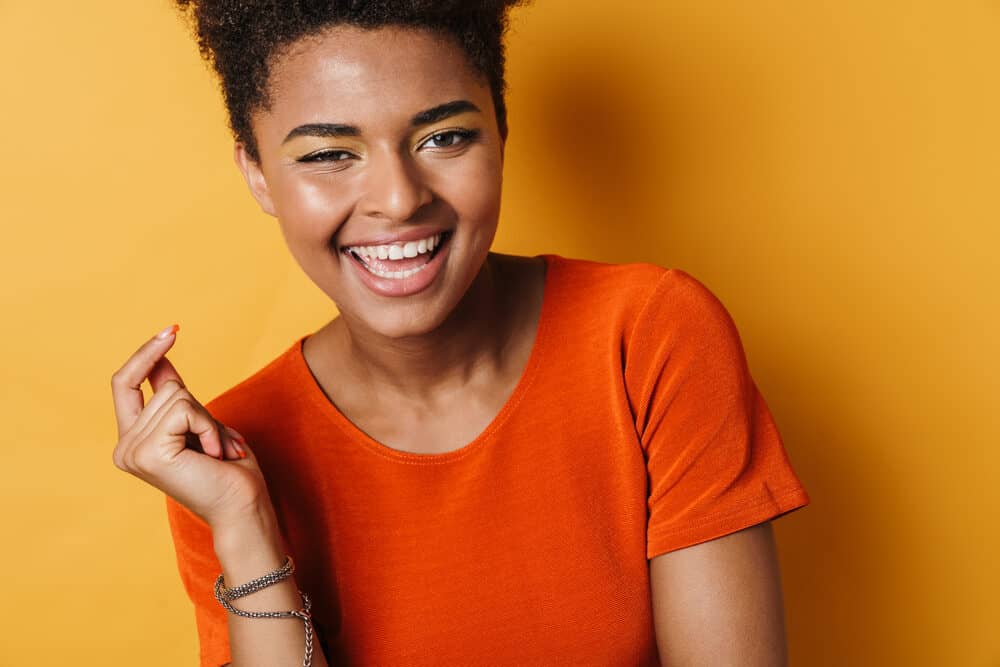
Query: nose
point(395, 188)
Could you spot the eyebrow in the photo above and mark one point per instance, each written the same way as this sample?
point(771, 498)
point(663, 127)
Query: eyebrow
point(432, 115)
point(442, 111)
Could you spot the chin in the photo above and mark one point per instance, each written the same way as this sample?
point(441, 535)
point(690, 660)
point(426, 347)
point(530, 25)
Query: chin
point(400, 323)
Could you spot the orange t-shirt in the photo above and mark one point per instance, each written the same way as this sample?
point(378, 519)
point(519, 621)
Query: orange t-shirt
point(634, 430)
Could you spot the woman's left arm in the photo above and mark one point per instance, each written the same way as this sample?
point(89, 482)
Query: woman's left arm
point(719, 602)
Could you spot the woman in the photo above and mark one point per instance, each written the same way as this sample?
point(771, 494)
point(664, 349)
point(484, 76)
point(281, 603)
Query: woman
point(484, 459)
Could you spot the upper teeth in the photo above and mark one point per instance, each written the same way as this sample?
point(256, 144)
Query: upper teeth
point(397, 250)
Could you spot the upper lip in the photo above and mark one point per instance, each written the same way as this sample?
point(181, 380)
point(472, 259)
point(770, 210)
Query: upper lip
point(390, 238)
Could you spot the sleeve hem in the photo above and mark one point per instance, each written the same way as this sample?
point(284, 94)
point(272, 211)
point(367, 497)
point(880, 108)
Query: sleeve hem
point(771, 507)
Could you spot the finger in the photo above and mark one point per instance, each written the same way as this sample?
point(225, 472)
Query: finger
point(154, 409)
point(163, 371)
point(236, 444)
point(230, 448)
point(192, 442)
point(185, 420)
point(126, 383)
point(160, 405)
point(149, 423)
point(188, 416)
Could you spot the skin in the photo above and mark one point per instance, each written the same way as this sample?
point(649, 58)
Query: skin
point(425, 372)
point(397, 367)
point(719, 603)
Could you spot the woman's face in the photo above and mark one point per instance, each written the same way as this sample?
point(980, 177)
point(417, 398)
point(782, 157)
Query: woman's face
point(381, 158)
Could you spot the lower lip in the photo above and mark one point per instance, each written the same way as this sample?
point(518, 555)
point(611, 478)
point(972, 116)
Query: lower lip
point(408, 286)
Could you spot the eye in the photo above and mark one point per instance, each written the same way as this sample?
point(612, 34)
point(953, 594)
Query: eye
point(326, 155)
point(450, 139)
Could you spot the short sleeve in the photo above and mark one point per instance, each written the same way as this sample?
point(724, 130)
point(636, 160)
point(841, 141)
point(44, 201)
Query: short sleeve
point(715, 460)
point(199, 568)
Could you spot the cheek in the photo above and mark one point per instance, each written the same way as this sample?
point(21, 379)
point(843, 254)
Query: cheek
point(485, 201)
point(310, 211)
point(475, 193)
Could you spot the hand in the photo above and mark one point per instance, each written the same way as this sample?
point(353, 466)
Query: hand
point(174, 444)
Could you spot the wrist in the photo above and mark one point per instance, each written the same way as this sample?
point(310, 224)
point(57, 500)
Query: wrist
point(249, 545)
point(251, 548)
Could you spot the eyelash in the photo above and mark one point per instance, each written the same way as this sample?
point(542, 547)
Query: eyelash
point(462, 136)
point(325, 155)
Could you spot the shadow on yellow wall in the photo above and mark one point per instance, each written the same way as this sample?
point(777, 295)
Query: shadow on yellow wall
point(830, 175)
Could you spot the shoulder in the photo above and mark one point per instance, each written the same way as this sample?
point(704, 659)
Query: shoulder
point(684, 304)
point(638, 295)
point(603, 278)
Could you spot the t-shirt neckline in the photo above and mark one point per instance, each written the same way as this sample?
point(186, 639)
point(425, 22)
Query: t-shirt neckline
point(325, 407)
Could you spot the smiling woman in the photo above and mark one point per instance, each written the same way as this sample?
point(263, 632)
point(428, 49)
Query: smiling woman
point(484, 459)
point(340, 169)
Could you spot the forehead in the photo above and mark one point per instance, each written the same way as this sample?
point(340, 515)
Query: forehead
point(348, 74)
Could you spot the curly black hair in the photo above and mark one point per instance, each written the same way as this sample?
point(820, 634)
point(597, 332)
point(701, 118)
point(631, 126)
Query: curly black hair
point(241, 38)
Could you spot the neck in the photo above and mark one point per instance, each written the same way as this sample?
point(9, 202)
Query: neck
point(466, 345)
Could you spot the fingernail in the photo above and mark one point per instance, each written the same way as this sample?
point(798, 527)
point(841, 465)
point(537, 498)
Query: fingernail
point(239, 450)
point(169, 331)
point(236, 435)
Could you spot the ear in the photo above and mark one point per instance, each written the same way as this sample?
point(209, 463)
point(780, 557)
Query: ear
point(254, 176)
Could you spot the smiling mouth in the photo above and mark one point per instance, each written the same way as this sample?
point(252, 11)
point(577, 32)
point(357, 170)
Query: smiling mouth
point(396, 261)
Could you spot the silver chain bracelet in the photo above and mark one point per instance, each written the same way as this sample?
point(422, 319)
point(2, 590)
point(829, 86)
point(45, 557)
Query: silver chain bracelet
point(226, 595)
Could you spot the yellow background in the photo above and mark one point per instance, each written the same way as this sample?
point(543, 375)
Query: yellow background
point(830, 170)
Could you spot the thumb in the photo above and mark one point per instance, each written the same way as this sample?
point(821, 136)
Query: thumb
point(162, 371)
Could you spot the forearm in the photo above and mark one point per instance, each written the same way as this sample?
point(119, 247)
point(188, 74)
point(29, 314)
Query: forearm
point(247, 549)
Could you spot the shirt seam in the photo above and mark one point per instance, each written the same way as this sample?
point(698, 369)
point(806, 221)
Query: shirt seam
point(647, 303)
